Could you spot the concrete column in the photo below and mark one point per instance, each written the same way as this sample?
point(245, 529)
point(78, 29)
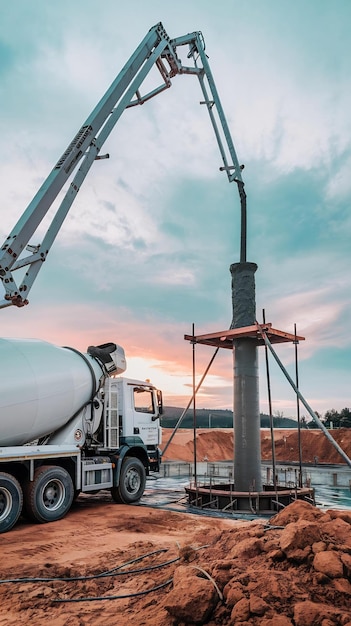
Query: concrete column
point(247, 449)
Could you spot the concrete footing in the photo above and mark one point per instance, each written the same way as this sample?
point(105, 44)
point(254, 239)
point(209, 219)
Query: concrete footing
point(225, 498)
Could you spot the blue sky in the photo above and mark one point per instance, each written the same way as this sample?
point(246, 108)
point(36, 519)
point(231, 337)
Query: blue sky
point(146, 248)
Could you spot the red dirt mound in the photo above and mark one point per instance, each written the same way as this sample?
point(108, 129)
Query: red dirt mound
point(218, 445)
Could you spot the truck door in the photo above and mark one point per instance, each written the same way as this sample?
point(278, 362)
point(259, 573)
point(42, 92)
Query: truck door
point(146, 414)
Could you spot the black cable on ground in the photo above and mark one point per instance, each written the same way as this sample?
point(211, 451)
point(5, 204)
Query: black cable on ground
point(129, 595)
point(92, 576)
point(140, 593)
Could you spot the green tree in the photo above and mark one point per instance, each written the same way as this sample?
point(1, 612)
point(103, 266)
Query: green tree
point(332, 418)
point(338, 420)
point(313, 423)
point(345, 418)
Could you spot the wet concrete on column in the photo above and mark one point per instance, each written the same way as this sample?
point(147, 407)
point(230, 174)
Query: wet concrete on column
point(247, 447)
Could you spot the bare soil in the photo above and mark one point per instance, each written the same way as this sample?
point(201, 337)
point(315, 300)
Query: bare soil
point(133, 565)
point(218, 445)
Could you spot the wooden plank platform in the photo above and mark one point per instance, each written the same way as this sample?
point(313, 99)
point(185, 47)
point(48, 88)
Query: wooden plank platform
point(225, 338)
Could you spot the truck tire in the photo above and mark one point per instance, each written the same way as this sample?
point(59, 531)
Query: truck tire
point(50, 495)
point(11, 501)
point(131, 482)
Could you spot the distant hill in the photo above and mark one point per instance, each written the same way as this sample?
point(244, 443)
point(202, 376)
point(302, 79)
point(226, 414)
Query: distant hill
point(215, 418)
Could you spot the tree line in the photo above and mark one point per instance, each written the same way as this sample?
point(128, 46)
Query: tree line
point(210, 418)
point(334, 419)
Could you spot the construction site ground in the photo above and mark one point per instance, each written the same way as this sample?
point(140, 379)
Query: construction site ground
point(136, 565)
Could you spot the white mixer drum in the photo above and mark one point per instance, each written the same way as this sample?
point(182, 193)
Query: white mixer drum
point(41, 387)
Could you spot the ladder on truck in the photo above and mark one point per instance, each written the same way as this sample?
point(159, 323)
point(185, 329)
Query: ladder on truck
point(112, 424)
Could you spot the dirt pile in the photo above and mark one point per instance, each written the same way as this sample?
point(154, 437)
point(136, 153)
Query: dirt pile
point(211, 445)
point(296, 571)
point(218, 445)
point(137, 566)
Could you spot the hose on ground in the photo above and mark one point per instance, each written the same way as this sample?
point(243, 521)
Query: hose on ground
point(128, 595)
point(141, 593)
point(114, 572)
point(107, 573)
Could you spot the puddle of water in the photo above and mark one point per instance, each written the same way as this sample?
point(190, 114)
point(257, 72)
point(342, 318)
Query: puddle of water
point(333, 497)
point(169, 492)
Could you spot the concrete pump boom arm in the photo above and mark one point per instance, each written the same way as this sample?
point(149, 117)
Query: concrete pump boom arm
point(156, 49)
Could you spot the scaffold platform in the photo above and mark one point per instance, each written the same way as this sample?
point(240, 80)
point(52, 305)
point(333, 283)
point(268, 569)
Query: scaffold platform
point(225, 338)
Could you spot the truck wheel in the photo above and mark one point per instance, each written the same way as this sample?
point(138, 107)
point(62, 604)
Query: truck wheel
point(49, 496)
point(11, 501)
point(131, 482)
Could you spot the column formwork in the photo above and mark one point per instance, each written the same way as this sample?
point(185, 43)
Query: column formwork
point(247, 447)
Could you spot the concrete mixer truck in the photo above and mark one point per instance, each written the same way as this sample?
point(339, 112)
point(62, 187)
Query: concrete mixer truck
point(72, 424)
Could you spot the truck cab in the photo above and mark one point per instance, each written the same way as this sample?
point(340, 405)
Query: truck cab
point(132, 412)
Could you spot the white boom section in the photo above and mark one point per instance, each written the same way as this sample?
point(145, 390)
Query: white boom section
point(156, 49)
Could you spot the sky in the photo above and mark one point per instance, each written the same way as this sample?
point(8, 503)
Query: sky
point(146, 248)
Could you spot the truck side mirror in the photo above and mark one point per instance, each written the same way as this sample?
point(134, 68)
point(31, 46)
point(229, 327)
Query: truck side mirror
point(159, 401)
